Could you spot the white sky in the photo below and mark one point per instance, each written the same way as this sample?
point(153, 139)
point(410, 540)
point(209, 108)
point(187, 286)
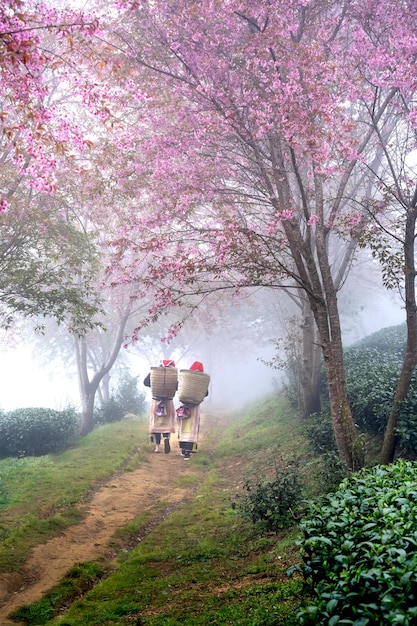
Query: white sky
point(24, 384)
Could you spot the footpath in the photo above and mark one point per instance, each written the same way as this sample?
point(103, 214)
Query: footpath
point(114, 504)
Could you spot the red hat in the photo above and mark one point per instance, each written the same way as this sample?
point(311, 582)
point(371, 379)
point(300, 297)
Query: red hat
point(168, 363)
point(197, 366)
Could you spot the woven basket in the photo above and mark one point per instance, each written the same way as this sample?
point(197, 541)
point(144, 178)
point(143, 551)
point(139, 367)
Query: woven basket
point(164, 382)
point(192, 386)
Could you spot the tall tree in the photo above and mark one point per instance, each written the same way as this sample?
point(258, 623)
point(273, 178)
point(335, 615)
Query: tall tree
point(260, 157)
point(391, 237)
point(410, 355)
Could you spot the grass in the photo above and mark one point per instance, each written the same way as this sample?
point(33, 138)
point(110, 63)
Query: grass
point(204, 564)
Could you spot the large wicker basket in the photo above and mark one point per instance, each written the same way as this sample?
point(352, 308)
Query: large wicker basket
point(192, 386)
point(164, 382)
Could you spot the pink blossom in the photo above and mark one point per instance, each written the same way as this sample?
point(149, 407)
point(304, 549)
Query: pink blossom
point(353, 219)
point(4, 205)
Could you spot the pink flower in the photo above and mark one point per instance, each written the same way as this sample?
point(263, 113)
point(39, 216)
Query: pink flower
point(354, 219)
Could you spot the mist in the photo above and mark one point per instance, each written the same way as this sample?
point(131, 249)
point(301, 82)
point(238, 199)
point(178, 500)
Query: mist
point(231, 355)
point(25, 384)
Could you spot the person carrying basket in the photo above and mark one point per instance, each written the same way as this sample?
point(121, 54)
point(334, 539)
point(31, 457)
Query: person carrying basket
point(192, 389)
point(163, 382)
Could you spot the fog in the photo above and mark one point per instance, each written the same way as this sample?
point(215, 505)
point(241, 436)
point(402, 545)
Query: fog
point(235, 380)
point(238, 374)
point(25, 384)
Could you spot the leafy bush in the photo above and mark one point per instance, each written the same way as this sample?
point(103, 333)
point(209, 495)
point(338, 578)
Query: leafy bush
point(273, 503)
point(36, 431)
point(360, 550)
point(390, 341)
point(319, 430)
point(407, 428)
point(371, 378)
point(109, 412)
point(320, 435)
point(126, 399)
point(129, 397)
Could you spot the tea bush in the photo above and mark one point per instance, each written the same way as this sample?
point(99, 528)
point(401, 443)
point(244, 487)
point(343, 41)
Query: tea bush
point(109, 412)
point(331, 471)
point(273, 503)
point(36, 431)
point(319, 431)
point(359, 550)
point(371, 378)
point(373, 366)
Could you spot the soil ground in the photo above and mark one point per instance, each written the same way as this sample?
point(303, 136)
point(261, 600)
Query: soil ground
point(112, 505)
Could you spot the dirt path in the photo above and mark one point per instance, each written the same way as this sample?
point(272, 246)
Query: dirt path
point(123, 498)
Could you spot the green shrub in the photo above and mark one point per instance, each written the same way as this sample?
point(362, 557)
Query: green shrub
point(373, 366)
point(36, 431)
point(273, 503)
point(109, 412)
point(319, 431)
point(360, 550)
point(371, 377)
point(129, 397)
point(390, 340)
point(126, 399)
point(320, 435)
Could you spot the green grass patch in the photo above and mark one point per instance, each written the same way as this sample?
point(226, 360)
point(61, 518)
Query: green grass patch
point(77, 582)
point(266, 425)
point(203, 564)
point(131, 530)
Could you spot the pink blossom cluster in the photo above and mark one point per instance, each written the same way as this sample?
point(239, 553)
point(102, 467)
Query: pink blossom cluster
point(4, 205)
point(254, 108)
point(38, 46)
point(204, 135)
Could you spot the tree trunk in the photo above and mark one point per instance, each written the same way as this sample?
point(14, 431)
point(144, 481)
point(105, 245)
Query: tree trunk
point(314, 270)
point(105, 388)
point(89, 388)
point(310, 368)
point(87, 403)
point(343, 425)
point(410, 356)
point(401, 392)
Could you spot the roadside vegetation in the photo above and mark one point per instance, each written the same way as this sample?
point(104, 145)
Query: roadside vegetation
point(206, 562)
point(38, 494)
point(274, 532)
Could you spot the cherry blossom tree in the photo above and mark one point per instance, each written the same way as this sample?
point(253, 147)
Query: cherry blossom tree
point(42, 47)
point(263, 145)
point(233, 145)
point(390, 56)
point(49, 104)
